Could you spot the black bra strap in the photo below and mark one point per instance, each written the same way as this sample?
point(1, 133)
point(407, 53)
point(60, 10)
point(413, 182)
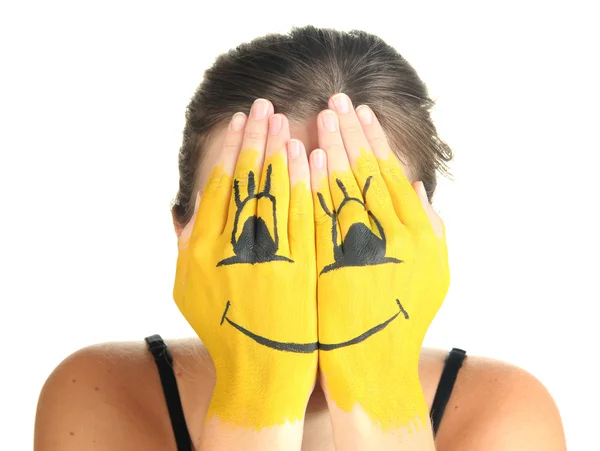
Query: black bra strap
point(453, 363)
point(164, 362)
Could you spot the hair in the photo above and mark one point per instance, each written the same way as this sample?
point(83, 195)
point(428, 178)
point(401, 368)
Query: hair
point(298, 72)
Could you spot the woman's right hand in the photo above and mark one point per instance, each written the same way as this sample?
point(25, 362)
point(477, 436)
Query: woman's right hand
point(246, 275)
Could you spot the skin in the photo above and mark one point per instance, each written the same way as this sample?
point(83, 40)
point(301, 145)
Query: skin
point(276, 384)
point(372, 388)
point(109, 395)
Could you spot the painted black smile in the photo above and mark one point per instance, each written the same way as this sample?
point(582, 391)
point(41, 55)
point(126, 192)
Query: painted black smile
point(307, 348)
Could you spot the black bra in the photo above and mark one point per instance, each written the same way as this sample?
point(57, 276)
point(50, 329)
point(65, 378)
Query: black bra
point(164, 363)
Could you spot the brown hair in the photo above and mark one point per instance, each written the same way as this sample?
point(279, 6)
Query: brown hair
point(298, 72)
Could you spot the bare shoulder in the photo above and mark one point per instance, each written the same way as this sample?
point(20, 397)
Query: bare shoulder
point(103, 397)
point(108, 396)
point(495, 405)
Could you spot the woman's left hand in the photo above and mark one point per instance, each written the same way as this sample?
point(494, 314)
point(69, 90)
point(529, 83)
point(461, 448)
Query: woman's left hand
point(383, 269)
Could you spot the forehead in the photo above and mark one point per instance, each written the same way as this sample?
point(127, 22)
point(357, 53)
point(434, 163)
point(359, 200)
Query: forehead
point(305, 131)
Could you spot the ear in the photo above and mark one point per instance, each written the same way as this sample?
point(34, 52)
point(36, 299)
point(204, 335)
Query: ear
point(184, 232)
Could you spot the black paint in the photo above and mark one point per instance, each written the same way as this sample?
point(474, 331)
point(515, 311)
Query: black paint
point(307, 348)
point(361, 247)
point(255, 244)
point(225, 312)
point(365, 335)
point(404, 312)
point(304, 348)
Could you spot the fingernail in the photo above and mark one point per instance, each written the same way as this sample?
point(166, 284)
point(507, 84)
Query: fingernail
point(275, 124)
point(237, 121)
point(318, 158)
point(329, 120)
point(342, 103)
point(294, 147)
point(260, 108)
point(364, 114)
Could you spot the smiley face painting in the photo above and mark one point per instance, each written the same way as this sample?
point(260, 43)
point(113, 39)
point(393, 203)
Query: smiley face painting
point(255, 267)
point(255, 245)
point(260, 301)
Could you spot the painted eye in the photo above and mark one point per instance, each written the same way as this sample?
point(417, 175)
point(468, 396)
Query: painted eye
point(347, 198)
point(252, 241)
point(360, 247)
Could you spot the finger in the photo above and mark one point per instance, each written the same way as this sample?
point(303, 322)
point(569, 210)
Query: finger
point(327, 231)
point(364, 166)
point(301, 225)
point(274, 195)
point(353, 136)
point(404, 198)
point(214, 205)
point(345, 193)
point(184, 246)
point(248, 167)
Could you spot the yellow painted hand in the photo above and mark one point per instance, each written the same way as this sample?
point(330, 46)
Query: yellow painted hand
point(383, 275)
point(246, 280)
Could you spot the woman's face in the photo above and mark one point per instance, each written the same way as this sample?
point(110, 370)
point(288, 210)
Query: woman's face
point(305, 131)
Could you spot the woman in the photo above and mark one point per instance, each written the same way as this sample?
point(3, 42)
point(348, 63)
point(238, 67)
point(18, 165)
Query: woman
point(311, 269)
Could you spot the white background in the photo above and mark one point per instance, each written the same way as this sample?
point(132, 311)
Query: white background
point(92, 100)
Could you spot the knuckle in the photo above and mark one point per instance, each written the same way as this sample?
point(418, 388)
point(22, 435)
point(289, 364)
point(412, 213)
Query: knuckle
point(426, 237)
point(334, 149)
point(231, 147)
point(352, 128)
point(322, 224)
point(300, 216)
point(400, 241)
point(378, 141)
point(241, 176)
point(367, 167)
point(255, 135)
point(349, 183)
point(198, 255)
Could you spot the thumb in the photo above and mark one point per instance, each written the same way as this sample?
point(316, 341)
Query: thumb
point(184, 237)
point(434, 218)
point(421, 192)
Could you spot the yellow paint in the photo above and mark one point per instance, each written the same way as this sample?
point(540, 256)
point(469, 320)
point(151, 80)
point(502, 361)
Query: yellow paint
point(257, 386)
point(380, 375)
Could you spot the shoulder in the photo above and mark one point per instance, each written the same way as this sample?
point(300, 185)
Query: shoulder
point(498, 406)
point(102, 397)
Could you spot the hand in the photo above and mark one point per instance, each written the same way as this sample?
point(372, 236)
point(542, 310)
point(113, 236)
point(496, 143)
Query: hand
point(383, 271)
point(246, 275)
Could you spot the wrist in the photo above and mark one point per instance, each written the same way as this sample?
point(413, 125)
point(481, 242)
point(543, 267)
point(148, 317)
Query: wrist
point(391, 401)
point(355, 430)
point(263, 396)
